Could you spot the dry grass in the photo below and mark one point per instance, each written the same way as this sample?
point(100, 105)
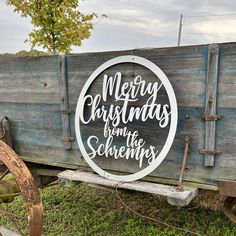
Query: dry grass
point(207, 199)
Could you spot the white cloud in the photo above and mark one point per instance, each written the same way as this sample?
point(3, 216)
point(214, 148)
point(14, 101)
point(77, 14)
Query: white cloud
point(220, 30)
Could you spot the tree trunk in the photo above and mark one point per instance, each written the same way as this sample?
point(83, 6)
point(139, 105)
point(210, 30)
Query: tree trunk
point(54, 50)
point(53, 43)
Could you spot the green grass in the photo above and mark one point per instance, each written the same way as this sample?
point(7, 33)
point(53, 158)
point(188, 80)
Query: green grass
point(83, 211)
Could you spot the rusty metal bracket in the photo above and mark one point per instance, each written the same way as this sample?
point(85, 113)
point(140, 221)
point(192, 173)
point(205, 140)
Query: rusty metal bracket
point(208, 152)
point(211, 117)
point(68, 139)
point(187, 141)
point(66, 111)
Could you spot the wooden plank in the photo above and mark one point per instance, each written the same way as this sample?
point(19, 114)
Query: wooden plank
point(211, 100)
point(227, 188)
point(7, 232)
point(67, 139)
point(182, 66)
point(184, 196)
point(227, 78)
point(29, 80)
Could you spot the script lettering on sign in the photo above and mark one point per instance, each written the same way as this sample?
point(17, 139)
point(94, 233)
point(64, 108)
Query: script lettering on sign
point(114, 115)
point(119, 106)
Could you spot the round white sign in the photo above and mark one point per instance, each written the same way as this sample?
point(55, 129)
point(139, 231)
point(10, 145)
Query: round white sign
point(117, 118)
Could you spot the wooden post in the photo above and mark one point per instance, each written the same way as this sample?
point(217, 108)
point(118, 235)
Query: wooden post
point(210, 104)
point(65, 111)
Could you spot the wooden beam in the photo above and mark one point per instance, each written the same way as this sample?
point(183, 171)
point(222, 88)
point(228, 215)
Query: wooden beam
point(6, 232)
point(67, 139)
point(227, 188)
point(184, 196)
point(210, 102)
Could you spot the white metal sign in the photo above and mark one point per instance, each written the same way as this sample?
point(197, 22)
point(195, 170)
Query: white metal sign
point(117, 118)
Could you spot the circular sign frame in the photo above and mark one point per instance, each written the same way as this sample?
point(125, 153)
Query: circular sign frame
point(173, 124)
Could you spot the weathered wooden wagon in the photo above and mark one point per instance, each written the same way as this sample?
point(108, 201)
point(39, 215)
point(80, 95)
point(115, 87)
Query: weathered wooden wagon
point(121, 106)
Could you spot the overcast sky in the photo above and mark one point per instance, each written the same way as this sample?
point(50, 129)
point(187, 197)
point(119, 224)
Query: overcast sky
point(136, 24)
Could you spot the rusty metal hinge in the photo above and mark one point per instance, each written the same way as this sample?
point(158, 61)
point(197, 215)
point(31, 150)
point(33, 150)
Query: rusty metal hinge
point(211, 117)
point(68, 139)
point(208, 152)
point(66, 111)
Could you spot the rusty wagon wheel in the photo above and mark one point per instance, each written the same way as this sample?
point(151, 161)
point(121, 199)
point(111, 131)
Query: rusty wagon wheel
point(229, 208)
point(22, 184)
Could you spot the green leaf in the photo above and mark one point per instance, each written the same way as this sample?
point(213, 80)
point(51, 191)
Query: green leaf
point(58, 24)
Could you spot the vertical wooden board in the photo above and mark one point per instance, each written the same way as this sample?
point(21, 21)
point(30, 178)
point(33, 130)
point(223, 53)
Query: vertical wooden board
point(65, 111)
point(227, 79)
point(226, 140)
point(211, 101)
point(29, 80)
point(226, 127)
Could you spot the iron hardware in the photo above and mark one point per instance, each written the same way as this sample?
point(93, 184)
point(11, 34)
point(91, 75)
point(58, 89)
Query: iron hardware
point(208, 152)
point(211, 117)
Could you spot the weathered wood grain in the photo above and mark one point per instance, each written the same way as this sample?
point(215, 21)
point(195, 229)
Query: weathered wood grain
point(227, 78)
point(6, 232)
point(65, 111)
point(211, 101)
point(175, 198)
point(186, 70)
point(30, 80)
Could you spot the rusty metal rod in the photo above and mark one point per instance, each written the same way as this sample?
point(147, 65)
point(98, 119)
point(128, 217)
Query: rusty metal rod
point(187, 141)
